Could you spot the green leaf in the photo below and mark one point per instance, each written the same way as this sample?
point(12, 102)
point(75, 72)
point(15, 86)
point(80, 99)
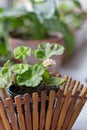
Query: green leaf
point(77, 3)
point(55, 24)
point(3, 45)
point(46, 74)
point(21, 52)
point(12, 12)
point(7, 63)
point(20, 68)
point(5, 75)
point(32, 77)
point(5, 69)
point(39, 1)
point(54, 80)
point(47, 50)
point(1, 10)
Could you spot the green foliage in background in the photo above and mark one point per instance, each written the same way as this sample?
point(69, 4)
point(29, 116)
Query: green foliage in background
point(4, 34)
point(37, 24)
point(71, 13)
point(3, 38)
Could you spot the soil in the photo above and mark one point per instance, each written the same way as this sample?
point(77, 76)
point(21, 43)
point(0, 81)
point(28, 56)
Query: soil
point(21, 90)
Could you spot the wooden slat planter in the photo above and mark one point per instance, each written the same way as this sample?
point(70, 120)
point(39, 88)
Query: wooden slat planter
point(58, 111)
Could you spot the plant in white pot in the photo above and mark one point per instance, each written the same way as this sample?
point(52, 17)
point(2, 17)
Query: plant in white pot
point(23, 77)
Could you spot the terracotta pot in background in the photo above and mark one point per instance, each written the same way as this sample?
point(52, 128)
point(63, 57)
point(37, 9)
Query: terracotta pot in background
point(13, 43)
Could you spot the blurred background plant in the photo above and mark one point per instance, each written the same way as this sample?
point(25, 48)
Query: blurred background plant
point(36, 22)
point(4, 49)
point(71, 13)
point(51, 20)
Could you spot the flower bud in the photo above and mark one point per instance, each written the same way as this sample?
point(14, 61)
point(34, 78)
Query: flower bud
point(49, 62)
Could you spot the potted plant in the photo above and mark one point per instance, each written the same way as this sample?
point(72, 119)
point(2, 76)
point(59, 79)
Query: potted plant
point(30, 27)
point(38, 109)
point(23, 77)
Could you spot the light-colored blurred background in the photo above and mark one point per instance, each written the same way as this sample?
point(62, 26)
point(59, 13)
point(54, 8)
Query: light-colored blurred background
point(75, 62)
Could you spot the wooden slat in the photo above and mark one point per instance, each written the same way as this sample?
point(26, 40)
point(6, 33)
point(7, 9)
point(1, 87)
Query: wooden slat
point(75, 87)
point(75, 114)
point(11, 114)
point(84, 90)
point(70, 110)
point(64, 110)
point(80, 87)
point(20, 114)
point(67, 84)
point(58, 75)
point(78, 108)
point(43, 110)
point(72, 84)
point(35, 111)
point(1, 125)
point(50, 110)
point(57, 109)
point(27, 112)
point(4, 94)
point(4, 118)
point(63, 86)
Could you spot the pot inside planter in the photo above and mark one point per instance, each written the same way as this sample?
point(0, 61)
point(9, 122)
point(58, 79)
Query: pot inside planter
point(14, 90)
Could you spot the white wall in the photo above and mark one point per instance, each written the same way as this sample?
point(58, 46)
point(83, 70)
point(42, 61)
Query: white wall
point(84, 3)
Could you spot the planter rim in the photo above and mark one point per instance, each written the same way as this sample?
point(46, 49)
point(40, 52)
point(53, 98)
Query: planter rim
point(37, 40)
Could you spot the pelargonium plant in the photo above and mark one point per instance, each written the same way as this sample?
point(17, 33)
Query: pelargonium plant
point(32, 76)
